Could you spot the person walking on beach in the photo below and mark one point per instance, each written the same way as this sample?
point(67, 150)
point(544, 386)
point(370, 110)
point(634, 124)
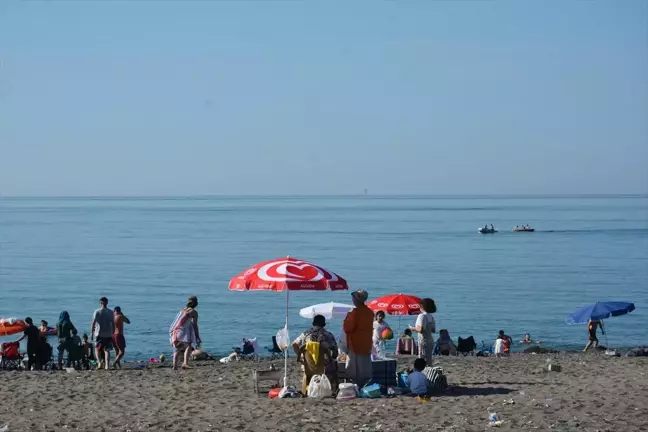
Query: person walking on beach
point(592, 326)
point(425, 326)
point(119, 341)
point(358, 326)
point(64, 330)
point(33, 334)
point(103, 325)
point(184, 333)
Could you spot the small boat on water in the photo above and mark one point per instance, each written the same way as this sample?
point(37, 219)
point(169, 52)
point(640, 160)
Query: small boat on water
point(523, 229)
point(487, 230)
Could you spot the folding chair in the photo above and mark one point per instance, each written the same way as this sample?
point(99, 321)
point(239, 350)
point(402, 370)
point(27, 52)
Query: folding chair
point(275, 352)
point(10, 357)
point(466, 346)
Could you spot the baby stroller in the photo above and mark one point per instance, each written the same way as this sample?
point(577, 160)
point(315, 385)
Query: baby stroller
point(10, 357)
point(466, 346)
point(275, 352)
point(247, 350)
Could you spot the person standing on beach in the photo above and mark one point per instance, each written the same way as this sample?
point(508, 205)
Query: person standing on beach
point(425, 326)
point(358, 326)
point(103, 325)
point(592, 326)
point(184, 333)
point(118, 336)
point(64, 329)
point(33, 334)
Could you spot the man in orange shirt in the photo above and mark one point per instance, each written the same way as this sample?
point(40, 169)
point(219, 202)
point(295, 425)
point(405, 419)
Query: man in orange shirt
point(358, 326)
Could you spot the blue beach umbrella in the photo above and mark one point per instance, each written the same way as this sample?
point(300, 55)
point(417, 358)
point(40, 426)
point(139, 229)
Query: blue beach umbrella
point(599, 311)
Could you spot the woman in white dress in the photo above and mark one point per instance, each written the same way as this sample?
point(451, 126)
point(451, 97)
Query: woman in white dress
point(425, 327)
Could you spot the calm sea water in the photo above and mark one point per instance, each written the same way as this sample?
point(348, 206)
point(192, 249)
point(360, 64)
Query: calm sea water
point(148, 254)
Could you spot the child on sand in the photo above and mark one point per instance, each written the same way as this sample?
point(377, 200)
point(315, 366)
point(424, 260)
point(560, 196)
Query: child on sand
point(416, 381)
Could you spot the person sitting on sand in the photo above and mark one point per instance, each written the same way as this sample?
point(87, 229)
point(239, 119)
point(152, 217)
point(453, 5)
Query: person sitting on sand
point(405, 344)
point(379, 325)
point(592, 326)
point(317, 349)
point(184, 333)
point(358, 326)
point(44, 351)
point(444, 345)
point(119, 341)
point(416, 380)
point(200, 354)
point(87, 352)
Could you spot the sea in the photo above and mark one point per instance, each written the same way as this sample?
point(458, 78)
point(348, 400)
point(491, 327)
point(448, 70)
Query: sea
point(147, 254)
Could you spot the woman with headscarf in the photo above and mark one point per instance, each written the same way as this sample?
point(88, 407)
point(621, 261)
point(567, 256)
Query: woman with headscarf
point(425, 326)
point(184, 333)
point(64, 329)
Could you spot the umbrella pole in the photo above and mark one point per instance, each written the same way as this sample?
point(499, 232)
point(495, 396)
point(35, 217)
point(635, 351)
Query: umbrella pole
point(286, 352)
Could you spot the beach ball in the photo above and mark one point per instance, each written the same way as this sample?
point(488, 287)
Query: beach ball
point(162, 357)
point(387, 334)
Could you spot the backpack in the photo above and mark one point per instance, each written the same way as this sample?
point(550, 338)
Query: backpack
point(437, 381)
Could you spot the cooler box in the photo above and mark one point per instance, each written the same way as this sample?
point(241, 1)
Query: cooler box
point(383, 372)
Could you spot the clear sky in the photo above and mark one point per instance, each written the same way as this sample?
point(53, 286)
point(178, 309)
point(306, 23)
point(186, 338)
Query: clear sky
point(323, 97)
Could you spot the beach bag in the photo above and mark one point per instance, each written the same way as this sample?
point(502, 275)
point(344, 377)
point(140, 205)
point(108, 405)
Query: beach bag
point(283, 339)
point(437, 381)
point(371, 391)
point(320, 387)
point(347, 391)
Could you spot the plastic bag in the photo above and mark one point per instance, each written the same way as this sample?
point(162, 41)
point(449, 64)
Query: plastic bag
point(320, 387)
point(283, 339)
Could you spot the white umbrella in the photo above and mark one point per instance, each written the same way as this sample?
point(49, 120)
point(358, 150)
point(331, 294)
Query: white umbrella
point(327, 310)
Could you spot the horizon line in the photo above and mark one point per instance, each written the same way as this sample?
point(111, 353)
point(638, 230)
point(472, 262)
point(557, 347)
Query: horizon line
point(356, 195)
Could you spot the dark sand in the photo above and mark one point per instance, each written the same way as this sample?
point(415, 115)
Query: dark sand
point(592, 393)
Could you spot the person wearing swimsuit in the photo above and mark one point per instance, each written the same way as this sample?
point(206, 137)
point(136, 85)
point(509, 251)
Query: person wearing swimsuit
point(119, 341)
point(592, 326)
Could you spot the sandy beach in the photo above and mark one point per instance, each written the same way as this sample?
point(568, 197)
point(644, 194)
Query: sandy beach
point(591, 393)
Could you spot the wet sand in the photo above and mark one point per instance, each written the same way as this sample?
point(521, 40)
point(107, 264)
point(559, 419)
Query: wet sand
point(591, 393)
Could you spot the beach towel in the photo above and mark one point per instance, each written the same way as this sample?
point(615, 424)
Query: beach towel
point(182, 329)
point(313, 348)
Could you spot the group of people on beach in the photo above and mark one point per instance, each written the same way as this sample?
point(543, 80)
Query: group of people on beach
point(361, 339)
point(106, 330)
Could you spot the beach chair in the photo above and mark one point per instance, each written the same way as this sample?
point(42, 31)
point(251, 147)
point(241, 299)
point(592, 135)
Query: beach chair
point(248, 350)
point(466, 346)
point(275, 352)
point(10, 357)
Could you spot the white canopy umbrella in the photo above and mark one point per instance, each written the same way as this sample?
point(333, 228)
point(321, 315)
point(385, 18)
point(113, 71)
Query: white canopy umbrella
point(328, 310)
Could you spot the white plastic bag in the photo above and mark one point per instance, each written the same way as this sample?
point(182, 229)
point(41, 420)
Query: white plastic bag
point(283, 339)
point(319, 387)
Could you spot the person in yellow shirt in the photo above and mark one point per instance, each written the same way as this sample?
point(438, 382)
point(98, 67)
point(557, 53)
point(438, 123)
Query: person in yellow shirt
point(358, 326)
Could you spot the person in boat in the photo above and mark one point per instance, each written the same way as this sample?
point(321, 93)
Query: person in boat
point(492, 227)
point(486, 227)
point(517, 227)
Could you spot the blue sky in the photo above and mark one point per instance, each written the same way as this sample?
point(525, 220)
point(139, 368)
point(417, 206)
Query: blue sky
point(328, 97)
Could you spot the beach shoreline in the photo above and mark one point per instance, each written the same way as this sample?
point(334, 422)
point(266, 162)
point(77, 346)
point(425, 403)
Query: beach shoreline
point(592, 392)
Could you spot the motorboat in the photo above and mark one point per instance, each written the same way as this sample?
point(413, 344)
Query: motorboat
point(523, 229)
point(487, 230)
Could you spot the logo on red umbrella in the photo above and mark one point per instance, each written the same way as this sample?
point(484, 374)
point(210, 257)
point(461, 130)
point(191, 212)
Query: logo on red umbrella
point(294, 271)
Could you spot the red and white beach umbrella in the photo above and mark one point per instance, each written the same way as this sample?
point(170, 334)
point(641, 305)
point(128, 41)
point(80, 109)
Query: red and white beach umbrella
point(396, 304)
point(290, 274)
point(287, 274)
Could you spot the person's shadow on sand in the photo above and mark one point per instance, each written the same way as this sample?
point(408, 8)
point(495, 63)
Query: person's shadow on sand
point(476, 391)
